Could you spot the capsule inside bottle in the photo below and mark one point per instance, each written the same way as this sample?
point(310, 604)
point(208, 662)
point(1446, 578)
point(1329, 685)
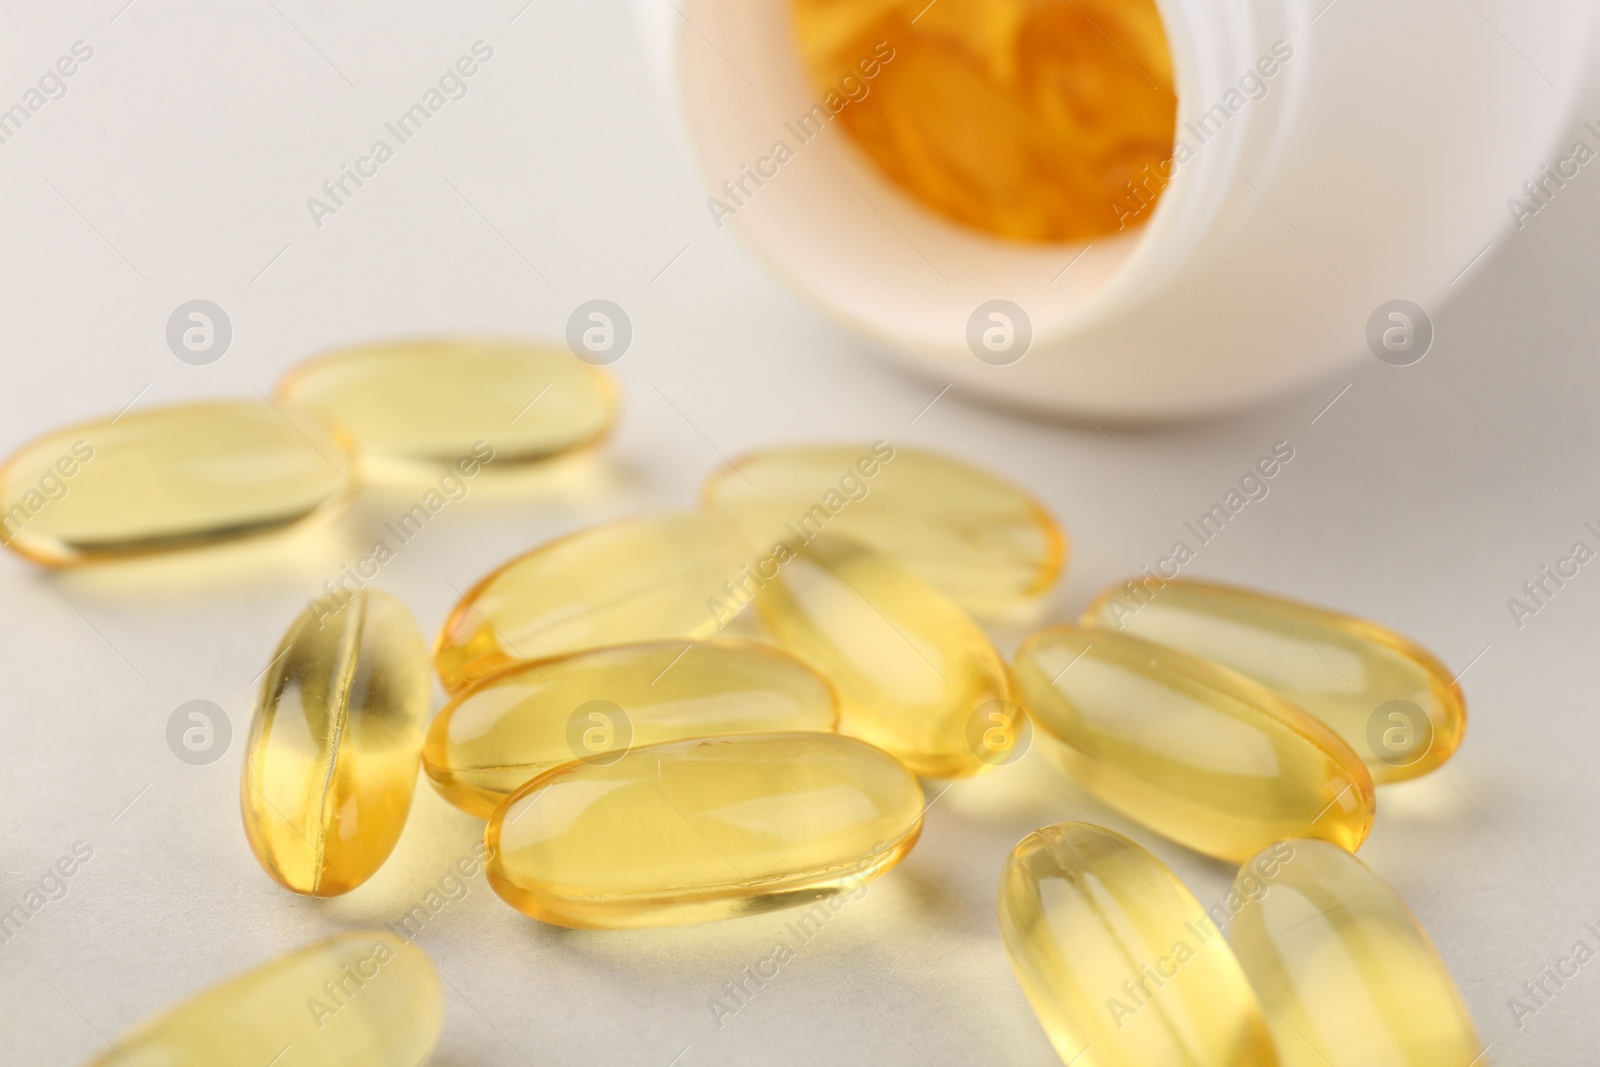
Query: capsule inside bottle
point(1190, 749)
point(1027, 121)
point(1120, 962)
point(494, 737)
point(1347, 975)
point(331, 764)
point(1388, 698)
point(691, 831)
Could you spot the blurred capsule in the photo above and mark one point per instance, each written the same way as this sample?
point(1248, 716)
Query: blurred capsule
point(1192, 750)
point(1347, 976)
point(439, 404)
point(170, 478)
point(365, 997)
point(495, 736)
point(915, 675)
point(690, 831)
point(979, 539)
point(331, 764)
point(1121, 964)
point(1386, 696)
point(640, 579)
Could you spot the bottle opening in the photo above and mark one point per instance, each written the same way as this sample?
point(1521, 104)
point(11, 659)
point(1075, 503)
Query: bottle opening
point(1044, 121)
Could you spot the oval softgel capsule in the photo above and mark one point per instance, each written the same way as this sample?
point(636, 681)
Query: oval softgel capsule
point(984, 542)
point(362, 997)
point(1192, 750)
point(690, 831)
point(1122, 965)
point(495, 736)
point(1389, 698)
point(1348, 976)
point(432, 404)
point(640, 579)
point(915, 675)
point(169, 478)
point(331, 764)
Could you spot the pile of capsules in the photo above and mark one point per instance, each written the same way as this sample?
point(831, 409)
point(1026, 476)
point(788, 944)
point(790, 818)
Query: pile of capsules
point(697, 715)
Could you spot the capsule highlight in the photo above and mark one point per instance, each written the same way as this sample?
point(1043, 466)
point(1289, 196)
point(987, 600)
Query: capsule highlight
point(983, 542)
point(1390, 699)
point(361, 997)
point(641, 579)
point(1190, 749)
point(1121, 964)
point(691, 831)
point(429, 405)
point(1348, 977)
point(915, 675)
point(170, 478)
point(331, 763)
point(494, 737)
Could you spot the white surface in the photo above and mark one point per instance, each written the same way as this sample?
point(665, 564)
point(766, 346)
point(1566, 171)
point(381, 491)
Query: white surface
point(191, 141)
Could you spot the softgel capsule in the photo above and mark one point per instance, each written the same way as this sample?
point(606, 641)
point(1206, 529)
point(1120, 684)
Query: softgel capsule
point(1388, 698)
point(497, 735)
point(171, 478)
point(1121, 964)
point(331, 763)
point(1193, 750)
point(366, 997)
point(980, 540)
point(915, 675)
point(689, 831)
point(1349, 977)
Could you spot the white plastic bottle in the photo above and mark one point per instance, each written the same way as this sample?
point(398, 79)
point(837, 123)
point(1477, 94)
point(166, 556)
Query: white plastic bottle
point(1385, 158)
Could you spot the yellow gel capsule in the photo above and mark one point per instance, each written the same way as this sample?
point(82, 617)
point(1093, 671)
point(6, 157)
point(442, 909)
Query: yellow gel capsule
point(433, 404)
point(640, 579)
point(1120, 962)
point(1190, 749)
point(492, 738)
point(1028, 120)
point(1346, 976)
point(1386, 696)
point(915, 675)
point(691, 831)
point(981, 540)
point(332, 760)
point(363, 997)
point(169, 478)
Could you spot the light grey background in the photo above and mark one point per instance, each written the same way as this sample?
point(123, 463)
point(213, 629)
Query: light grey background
point(177, 167)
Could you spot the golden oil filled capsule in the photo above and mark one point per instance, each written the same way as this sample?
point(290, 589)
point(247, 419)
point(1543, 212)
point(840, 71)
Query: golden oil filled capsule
point(915, 676)
point(691, 831)
point(1347, 976)
point(979, 539)
point(362, 997)
point(433, 404)
point(1387, 697)
point(1190, 749)
point(494, 737)
point(331, 764)
point(169, 478)
point(1031, 121)
point(641, 579)
point(1121, 964)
